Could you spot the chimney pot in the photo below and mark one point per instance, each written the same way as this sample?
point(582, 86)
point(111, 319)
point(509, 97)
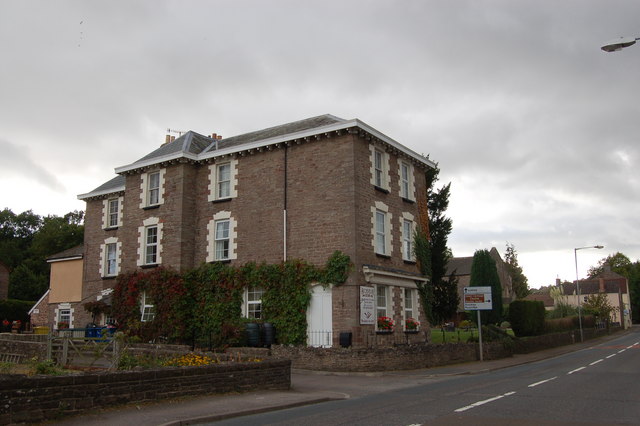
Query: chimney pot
point(167, 139)
point(173, 138)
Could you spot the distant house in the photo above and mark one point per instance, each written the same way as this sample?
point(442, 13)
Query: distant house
point(461, 268)
point(4, 281)
point(61, 302)
point(300, 190)
point(542, 295)
point(614, 285)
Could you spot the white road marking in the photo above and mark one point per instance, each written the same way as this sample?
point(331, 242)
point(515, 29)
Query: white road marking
point(479, 403)
point(576, 370)
point(595, 362)
point(621, 350)
point(542, 381)
point(612, 355)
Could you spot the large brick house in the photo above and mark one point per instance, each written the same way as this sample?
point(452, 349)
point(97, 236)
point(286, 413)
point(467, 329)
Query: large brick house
point(301, 190)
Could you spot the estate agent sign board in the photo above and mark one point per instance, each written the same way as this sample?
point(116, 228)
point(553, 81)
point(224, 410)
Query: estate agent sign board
point(367, 305)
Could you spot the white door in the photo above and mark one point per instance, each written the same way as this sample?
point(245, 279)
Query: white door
point(319, 319)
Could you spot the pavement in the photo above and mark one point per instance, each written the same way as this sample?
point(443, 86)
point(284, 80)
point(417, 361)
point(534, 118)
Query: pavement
point(307, 387)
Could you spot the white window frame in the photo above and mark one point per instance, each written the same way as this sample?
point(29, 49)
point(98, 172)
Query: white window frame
point(379, 167)
point(147, 190)
point(151, 245)
point(58, 314)
point(147, 310)
point(382, 310)
point(253, 305)
point(407, 219)
point(380, 209)
point(152, 222)
point(111, 259)
point(213, 241)
point(409, 311)
point(381, 219)
point(104, 257)
point(64, 315)
point(215, 180)
point(108, 213)
point(407, 183)
point(221, 238)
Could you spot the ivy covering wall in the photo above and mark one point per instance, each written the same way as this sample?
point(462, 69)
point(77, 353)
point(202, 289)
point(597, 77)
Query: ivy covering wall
point(207, 301)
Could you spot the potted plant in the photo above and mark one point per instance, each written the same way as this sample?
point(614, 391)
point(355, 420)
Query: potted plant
point(385, 325)
point(411, 325)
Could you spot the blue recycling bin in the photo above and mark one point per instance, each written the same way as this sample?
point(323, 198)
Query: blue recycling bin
point(91, 331)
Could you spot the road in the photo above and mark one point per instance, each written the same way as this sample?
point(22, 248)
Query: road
point(596, 385)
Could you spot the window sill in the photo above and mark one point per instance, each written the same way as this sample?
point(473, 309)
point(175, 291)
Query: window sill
point(384, 256)
point(221, 261)
point(381, 189)
point(409, 262)
point(110, 277)
point(407, 200)
point(155, 206)
point(221, 200)
point(411, 331)
point(111, 228)
point(150, 266)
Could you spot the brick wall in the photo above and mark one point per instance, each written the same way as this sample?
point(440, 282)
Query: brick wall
point(388, 358)
point(38, 398)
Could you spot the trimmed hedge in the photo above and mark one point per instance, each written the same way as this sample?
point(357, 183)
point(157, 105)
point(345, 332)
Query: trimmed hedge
point(527, 317)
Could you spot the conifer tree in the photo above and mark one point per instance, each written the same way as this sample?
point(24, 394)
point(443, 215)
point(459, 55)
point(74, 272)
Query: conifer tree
point(484, 273)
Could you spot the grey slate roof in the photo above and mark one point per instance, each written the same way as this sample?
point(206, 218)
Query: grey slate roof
point(113, 185)
point(198, 147)
point(284, 129)
point(73, 252)
point(189, 143)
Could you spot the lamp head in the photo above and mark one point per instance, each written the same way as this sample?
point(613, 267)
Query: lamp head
point(618, 44)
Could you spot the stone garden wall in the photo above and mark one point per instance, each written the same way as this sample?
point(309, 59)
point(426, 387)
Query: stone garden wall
point(31, 399)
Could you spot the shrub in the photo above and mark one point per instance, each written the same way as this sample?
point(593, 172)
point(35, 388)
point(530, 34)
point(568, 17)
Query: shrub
point(526, 317)
point(13, 310)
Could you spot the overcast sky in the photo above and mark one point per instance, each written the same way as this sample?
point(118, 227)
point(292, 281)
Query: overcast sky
point(535, 127)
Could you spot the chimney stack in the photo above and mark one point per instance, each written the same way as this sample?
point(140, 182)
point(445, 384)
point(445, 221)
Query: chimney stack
point(167, 139)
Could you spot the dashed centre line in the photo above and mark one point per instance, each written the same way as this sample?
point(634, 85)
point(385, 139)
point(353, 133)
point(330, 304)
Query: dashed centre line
point(576, 370)
point(595, 362)
point(532, 385)
point(611, 356)
point(479, 403)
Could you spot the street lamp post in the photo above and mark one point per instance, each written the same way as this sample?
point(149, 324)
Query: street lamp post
point(575, 254)
point(619, 44)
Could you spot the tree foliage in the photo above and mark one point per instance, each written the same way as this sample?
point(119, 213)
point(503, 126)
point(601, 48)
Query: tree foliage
point(484, 273)
point(621, 264)
point(518, 279)
point(439, 296)
point(599, 306)
point(27, 239)
point(618, 262)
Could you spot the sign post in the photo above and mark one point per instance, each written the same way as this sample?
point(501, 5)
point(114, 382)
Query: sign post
point(478, 299)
